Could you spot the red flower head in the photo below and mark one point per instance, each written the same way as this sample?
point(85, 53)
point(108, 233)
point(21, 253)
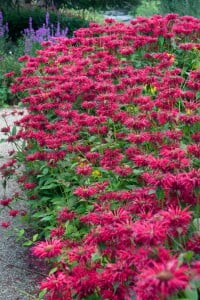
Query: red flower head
point(6, 202)
point(48, 248)
point(162, 280)
point(13, 212)
point(5, 224)
point(29, 185)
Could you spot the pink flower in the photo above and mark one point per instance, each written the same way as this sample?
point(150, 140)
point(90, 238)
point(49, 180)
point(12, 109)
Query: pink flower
point(85, 192)
point(29, 185)
point(178, 219)
point(6, 202)
point(9, 74)
point(84, 170)
point(5, 224)
point(48, 248)
point(162, 280)
point(57, 283)
point(5, 129)
point(13, 212)
point(65, 214)
point(58, 231)
point(194, 243)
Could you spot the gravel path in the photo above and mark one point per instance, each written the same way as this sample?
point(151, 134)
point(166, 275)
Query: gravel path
point(18, 274)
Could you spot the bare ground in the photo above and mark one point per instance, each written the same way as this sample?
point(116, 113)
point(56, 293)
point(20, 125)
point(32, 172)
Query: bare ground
point(19, 274)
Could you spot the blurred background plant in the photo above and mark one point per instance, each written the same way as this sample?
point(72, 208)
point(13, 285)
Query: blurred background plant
point(182, 7)
point(146, 8)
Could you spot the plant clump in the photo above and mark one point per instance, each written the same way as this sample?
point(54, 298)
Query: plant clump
point(111, 149)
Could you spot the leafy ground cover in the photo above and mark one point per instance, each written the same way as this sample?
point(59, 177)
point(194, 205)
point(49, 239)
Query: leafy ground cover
point(111, 150)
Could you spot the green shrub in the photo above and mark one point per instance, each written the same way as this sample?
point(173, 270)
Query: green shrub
point(18, 20)
point(182, 7)
point(146, 9)
point(9, 54)
point(89, 15)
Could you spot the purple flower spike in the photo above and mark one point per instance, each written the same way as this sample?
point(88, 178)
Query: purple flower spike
point(45, 33)
point(47, 19)
point(3, 28)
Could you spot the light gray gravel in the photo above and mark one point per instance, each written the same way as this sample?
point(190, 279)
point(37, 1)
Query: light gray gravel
point(18, 270)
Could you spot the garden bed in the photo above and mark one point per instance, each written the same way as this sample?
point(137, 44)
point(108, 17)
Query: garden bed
point(111, 150)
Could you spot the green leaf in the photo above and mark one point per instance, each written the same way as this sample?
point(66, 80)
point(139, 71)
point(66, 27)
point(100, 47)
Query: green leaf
point(189, 255)
point(35, 237)
point(3, 140)
point(92, 297)
point(14, 130)
point(4, 183)
point(38, 214)
point(160, 193)
point(49, 186)
point(21, 233)
point(96, 256)
point(182, 145)
point(24, 218)
point(47, 218)
point(115, 286)
point(53, 270)
point(45, 171)
point(192, 294)
point(161, 40)
point(196, 223)
point(137, 171)
point(42, 293)
point(28, 243)
point(70, 229)
point(198, 95)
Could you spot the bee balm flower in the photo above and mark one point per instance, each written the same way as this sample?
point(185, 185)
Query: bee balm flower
point(47, 248)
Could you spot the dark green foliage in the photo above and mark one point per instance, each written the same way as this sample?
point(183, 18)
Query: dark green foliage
point(9, 54)
point(98, 4)
point(18, 20)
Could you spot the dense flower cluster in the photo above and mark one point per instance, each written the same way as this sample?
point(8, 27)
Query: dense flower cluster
point(113, 148)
